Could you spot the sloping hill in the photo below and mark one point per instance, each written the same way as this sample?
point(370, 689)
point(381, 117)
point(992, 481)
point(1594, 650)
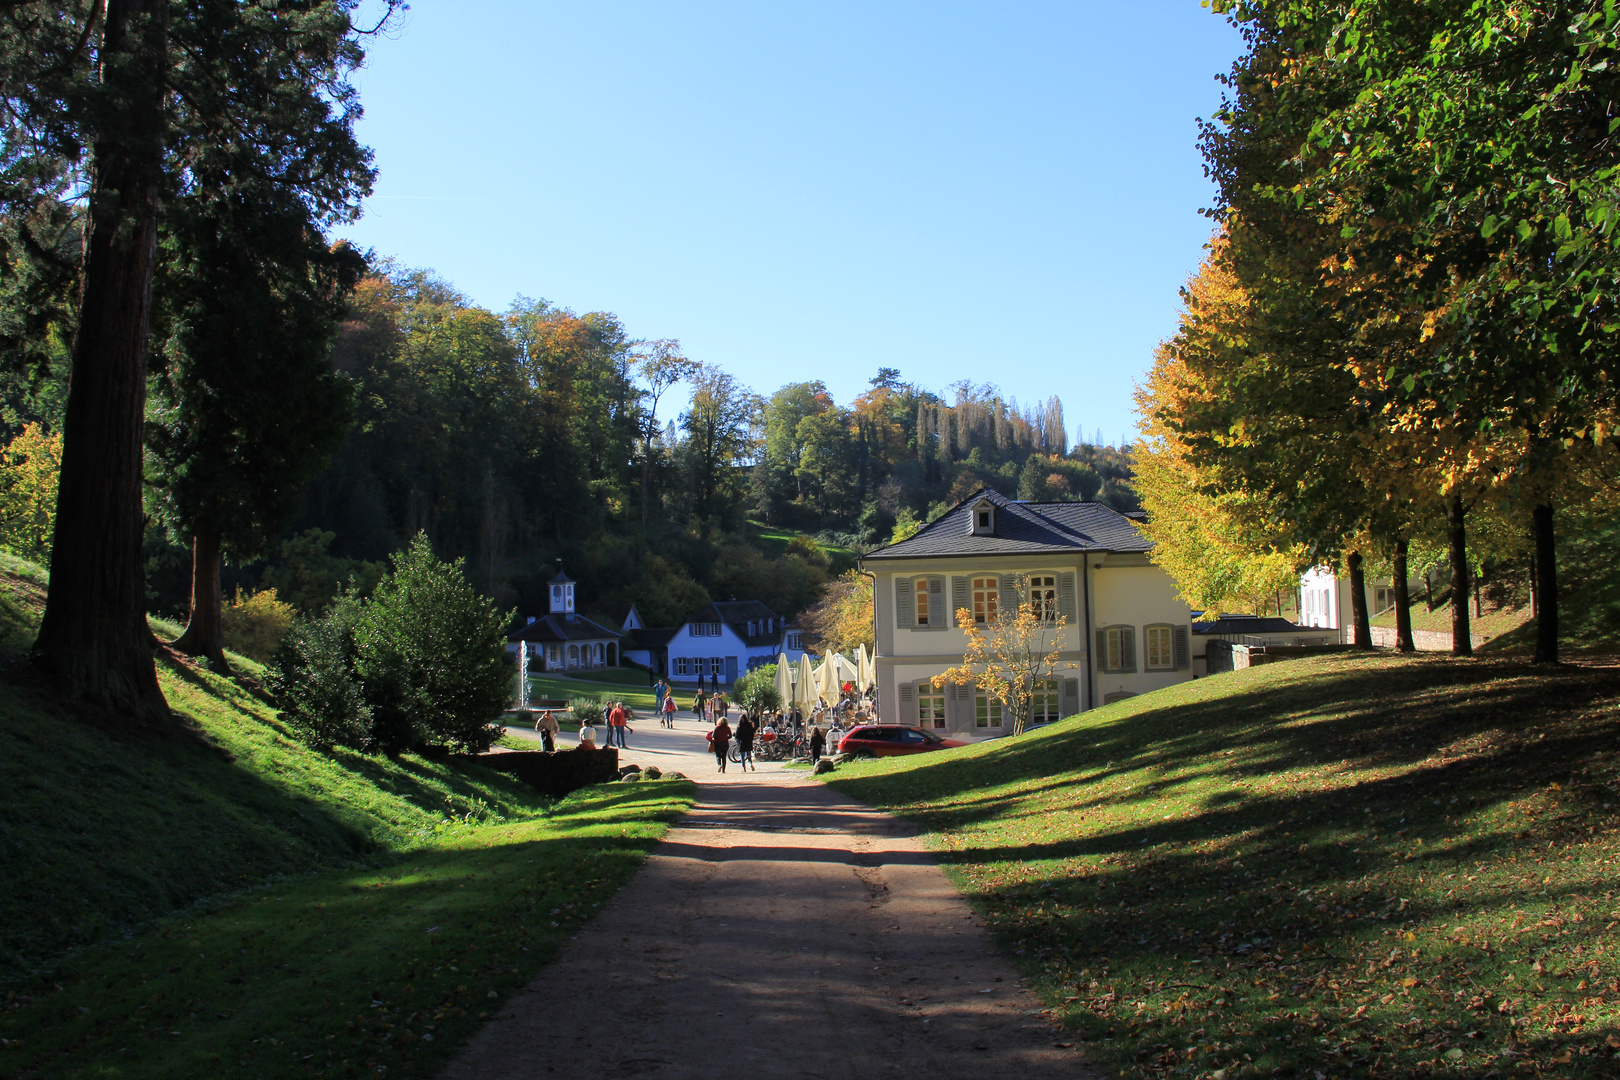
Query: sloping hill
point(1351, 865)
point(226, 902)
point(106, 828)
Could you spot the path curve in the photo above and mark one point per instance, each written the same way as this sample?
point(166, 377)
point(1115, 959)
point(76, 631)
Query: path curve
point(780, 930)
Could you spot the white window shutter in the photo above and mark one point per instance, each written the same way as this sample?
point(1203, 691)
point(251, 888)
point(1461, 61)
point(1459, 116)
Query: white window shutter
point(1009, 596)
point(1066, 597)
point(905, 693)
point(1071, 696)
point(959, 597)
point(1102, 650)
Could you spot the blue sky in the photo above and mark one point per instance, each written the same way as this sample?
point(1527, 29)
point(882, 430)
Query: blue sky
point(1005, 192)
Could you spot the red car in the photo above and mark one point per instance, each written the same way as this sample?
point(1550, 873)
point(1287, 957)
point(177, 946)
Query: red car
point(882, 740)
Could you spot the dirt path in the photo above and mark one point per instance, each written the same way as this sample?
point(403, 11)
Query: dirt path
point(779, 931)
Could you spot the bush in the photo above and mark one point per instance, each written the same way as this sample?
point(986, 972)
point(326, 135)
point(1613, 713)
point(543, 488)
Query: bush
point(254, 625)
point(28, 470)
point(756, 691)
point(314, 682)
point(426, 652)
point(588, 710)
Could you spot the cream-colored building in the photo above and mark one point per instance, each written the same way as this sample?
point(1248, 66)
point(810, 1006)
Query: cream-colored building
point(1126, 632)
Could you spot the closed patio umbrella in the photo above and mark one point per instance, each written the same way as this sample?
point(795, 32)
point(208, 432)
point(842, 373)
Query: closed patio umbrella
point(804, 687)
point(784, 679)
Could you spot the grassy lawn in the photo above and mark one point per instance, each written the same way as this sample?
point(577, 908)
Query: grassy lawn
point(1496, 620)
point(223, 901)
point(549, 686)
point(631, 677)
point(1335, 867)
point(361, 972)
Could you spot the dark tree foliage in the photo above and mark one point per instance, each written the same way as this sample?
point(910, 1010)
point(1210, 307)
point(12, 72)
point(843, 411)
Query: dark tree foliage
point(140, 104)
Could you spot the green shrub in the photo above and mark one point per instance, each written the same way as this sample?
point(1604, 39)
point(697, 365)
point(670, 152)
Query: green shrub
point(588, 710)
point(756, 691)
point(314, 682)
point(426, 651)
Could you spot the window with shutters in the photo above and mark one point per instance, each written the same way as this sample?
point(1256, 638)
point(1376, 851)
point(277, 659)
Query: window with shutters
point(986, 595)
point(986, 711)
point(1116, 648)
point(920, 587)
point(714, 665)
point(1156, 642)
point(1043, 597)
point(930, 706)
point(1044, 706)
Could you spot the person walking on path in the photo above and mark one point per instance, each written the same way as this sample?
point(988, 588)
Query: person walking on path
point(699, 702)
point(616, 726)
point(548, 728)
point(818, 743)
point(745, 741)
point(668, 710)
point(720, 741)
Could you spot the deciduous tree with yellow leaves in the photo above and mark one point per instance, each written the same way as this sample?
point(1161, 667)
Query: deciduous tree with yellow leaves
point(1012, 657)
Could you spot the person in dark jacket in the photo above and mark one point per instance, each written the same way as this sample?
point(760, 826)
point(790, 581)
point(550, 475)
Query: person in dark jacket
point(745, 741)
point(818, 743)
point(720, 740)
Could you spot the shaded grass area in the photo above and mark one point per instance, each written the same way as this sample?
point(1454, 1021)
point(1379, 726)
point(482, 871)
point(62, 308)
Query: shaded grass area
point(1589, 592)
point(1498, 619)
point(358, 972)
point(546, 686)
point(632, 677)
point(1341, 866)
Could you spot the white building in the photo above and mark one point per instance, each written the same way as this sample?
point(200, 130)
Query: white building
point(726, 640)
point(1324, 601)
point(1127, 630)
point(563, 639)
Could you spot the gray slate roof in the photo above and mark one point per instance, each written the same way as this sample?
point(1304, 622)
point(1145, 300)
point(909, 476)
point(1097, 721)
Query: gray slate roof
point(563, 628)
point(737, 614)
point(1249, 624)
point(1022, 528)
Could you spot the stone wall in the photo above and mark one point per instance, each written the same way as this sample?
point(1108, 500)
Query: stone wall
point(1222, 656)
point(556, 773)
point(1425, 640)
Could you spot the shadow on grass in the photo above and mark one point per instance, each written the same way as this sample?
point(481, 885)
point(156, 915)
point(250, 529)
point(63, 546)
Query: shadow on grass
point(1331, 862)
point(346, 973)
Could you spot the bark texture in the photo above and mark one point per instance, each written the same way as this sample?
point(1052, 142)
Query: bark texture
point(1462, 641)
point(93, 640)
point(1358, 601)
point(1546, 589)
point(205, 636)
point(1403, 600)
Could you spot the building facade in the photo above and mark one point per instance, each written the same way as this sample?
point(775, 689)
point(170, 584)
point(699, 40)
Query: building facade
point(726, 640)
point(1124, 629)
point(563, 639)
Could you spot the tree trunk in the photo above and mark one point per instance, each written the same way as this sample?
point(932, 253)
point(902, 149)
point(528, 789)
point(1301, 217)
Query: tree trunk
point(1546, 586)
point(93, 640)
point(204, 635)
point(1358, 602)
point(1403, 599)
point(1462, 642)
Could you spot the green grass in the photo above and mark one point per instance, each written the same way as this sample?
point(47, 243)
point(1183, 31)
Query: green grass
point(1340, 866)
point(1589, 591)
point(548, 686)
point(350, 973)
point(229, 884)
point(615, 676)
point(1494, 622)
point(774, 541)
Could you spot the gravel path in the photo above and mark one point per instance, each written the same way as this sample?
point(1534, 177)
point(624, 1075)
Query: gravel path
point(780, 930)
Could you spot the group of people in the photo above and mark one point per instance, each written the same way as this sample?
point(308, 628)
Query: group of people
point(617, 720)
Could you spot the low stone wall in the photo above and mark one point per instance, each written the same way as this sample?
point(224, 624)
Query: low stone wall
point(555, 773)
point(1230, 656)
point(1425, 640)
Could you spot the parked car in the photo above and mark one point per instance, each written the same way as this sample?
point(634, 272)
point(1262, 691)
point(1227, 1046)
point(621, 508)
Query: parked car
point(883, 740)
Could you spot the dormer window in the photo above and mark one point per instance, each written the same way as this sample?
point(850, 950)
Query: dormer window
point(983, 521)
